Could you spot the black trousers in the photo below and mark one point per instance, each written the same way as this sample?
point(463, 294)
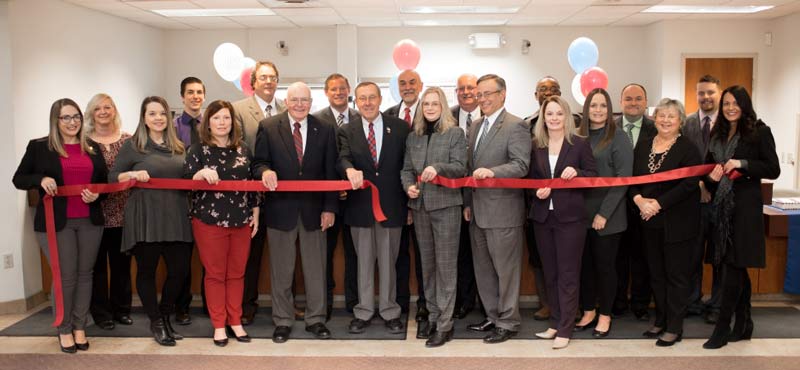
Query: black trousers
point(670, 277)
point(705, 247)
point(350, 263)
point(736, 294)
point(403, 267)
point(111, 298)
point(178, 258)
point(253, 268)
point(184, 300)
point(632, 269)
point(466, 288)
point(598, 271)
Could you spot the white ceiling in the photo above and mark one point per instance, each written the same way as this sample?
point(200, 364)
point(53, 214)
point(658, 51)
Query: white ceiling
point(386, 13)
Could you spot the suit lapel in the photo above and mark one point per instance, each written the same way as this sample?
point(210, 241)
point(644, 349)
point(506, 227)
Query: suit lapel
point(255, 110)
point(312, 141)
point(387, 140)
point(485, 142)
point(562, 157)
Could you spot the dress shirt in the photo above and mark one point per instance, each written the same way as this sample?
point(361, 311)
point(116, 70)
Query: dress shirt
point(377, 126)
point(263, 104)
point(184, 127)
point(491, 119)
point(462, 117)
point(336, 114)
point(412, 109)
point(303, 130)
point(635, 130)
point(712, 118)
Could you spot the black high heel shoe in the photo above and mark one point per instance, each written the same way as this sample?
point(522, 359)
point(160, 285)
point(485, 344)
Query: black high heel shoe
point(160, 333)
point(719, 338)
point(744, 334)
point(584, 327)
point(244, 338)
point(170, 330)
point(71, 349)
point(653, 334)
point(221, 342)
point(666, 343)
point(601, 334)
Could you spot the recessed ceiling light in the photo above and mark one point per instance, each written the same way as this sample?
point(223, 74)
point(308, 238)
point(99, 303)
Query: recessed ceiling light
point(213, 12)
point(706, 9)
point(456, 22)
point(458, 10)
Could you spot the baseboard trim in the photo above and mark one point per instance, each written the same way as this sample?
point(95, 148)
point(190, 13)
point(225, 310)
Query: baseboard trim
point(22, 305)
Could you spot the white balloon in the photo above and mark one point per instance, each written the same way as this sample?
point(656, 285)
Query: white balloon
point(228, 61)
point(576, 90)
point(248, 63)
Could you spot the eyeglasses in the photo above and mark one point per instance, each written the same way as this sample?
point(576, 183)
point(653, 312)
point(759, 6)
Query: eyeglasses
point(299, 100)
point(67, 118)
point(364, 99)
point(486, 94)
point(267, 78)
point(553, 90)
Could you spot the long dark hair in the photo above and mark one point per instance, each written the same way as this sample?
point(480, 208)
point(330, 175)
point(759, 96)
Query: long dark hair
point(746, 126)
point(611, 128)
point(234, 136)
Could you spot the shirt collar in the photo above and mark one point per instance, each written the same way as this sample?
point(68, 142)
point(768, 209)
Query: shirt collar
point(493, 116)
point(303, 122)
point(412, 108)
point(475, 112)
point(186, 117)
point(336, 113)
point(377, 121)
point(637, 123)
point(263, 104)
point(712, 117)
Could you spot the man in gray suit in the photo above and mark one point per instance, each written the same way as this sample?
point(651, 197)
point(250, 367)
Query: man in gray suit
point(499, 147)
point(697, 128)
point(249, 112)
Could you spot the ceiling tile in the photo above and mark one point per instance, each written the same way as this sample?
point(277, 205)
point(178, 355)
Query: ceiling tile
point(306, 12)
point(150, 5)
point(359, 3)
point(643, 19)
point(550, 11)
point(367, 12)
point(264, 22)
point(601, 15)
point(228, 4)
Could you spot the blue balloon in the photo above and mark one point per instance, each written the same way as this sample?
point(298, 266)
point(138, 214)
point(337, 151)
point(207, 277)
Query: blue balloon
point(238, 84)
point(582, 54)
point(394, 88)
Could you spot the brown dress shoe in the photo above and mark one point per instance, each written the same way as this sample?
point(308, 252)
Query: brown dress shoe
point(543, 314)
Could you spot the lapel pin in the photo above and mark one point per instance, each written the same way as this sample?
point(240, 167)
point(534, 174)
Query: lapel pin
point(388, 130)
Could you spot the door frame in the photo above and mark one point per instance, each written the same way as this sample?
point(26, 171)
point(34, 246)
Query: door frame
point(754, 56)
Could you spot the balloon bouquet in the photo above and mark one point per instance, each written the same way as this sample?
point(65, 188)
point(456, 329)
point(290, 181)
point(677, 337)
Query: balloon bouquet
point(231, 64)
point(406, 56)
point(583, 56)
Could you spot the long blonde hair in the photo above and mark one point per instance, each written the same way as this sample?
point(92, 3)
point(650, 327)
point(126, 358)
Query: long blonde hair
point(92, 106)
point(54, 139)
point(446, 119)
point(141, 136)
point(541, 136)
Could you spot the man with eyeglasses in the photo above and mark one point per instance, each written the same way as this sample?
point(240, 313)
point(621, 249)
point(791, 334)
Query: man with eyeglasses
point(499, 147)
point(338, 114)
point(297, 146)
point(465, 112)
point(410, 86)
point(249, 112)
point(373, 149)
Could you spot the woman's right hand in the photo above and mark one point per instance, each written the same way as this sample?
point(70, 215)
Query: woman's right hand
point(716, 173)
point(543, 193)
point(140, 176)
point(209, 175)
point(49, 186)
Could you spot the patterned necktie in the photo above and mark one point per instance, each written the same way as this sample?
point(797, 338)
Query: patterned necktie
point(469, 120)
point(268, 110)
point(484, 131)
point(298, 142)
point(629, 131)
point(407, 117)
point(340, 120)
point(706, 130)
point(373, 147)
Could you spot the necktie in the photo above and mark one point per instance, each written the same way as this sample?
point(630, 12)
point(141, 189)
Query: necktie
point(373, 147)
point(484, 131)
point(469, 120)
point(298, 142)
point(340, 120)
point(706, 130)
point(407, 117)
point(629, 131)
point(268, 110)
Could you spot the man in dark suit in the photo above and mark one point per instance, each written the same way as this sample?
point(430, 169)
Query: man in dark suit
point(338, 115)
point(249, 112)
point(499, 147)
point(697, 128)
point(373, 149)
point(296, 146)
point(631, 265)
point(410, 85)
point(465, 112)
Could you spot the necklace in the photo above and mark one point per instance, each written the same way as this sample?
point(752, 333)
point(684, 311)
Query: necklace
point(651, 162)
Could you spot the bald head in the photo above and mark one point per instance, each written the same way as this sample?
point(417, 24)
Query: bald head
point(465, 92)
point(298, 101)
point(410, 85)
point(546, 87)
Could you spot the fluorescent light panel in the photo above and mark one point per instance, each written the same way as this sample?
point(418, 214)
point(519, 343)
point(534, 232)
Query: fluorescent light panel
point(213, 12)
point(706, 9)
point(456, 22)
point(457, 9)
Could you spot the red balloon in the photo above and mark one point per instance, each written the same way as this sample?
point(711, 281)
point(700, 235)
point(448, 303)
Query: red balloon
point(406, 54)
point(593, 78)
point(244, 80)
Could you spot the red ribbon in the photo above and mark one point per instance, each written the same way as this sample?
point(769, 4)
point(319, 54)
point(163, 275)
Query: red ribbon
point(179, 184)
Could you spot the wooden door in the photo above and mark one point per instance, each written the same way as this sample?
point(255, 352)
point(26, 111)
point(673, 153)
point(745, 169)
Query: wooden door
point(729, 71)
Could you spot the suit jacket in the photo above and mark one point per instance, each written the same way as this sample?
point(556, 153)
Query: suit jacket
point(394, 111)
point(40, 162)
point(693, 130)
point(326, 115)
point(354, 153)
point(568, 204)
point(613, 160)
point(447, 153)
point(647, 131)
point(506, 151)
point(249, 114)
point(275, 151)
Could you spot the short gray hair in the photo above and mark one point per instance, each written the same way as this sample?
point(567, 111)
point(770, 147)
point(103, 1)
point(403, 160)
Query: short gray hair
point(669, 103)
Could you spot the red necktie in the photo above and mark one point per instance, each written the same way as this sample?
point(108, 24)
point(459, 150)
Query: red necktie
point(407, 117)
point(373, 147)
point(298, 142)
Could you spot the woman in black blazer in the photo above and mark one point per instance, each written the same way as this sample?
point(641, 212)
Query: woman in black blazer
point(558, 215)
point(670, 213)
point(741, 142)
point(66, 157)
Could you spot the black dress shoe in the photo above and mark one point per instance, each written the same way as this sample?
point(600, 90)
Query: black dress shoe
point(248, 318)
point(484, 325)
point(425, 329)
point(123, 319)
point(182, 318)
point(642, 315)
point(584, 327)
point(357, 326)
point(71, 349)
point(105, 325)
point(663, 343)
point(499, 335)
point(230, 333)
point(170, 330)
point(395, 326)
point(281, 334)
point(439, 338)
point(160, 333)
point(319, 331)
point(221, 342)
point(719, 338)
point(462, 312)
point(82, 346)
point(652, 334)
point(422, 314)
point(601, 334)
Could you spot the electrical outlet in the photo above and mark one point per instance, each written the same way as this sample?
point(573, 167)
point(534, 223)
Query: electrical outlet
point(8, 261)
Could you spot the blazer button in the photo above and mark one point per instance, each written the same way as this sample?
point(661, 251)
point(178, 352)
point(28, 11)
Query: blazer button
point(300, 173)
point(377, 173)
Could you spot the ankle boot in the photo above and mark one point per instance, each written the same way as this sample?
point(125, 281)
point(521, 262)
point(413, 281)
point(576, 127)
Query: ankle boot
point(720, 336)
point(160, 333)
point(170, 331)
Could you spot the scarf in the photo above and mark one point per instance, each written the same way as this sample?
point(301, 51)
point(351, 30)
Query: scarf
point(723, 203)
